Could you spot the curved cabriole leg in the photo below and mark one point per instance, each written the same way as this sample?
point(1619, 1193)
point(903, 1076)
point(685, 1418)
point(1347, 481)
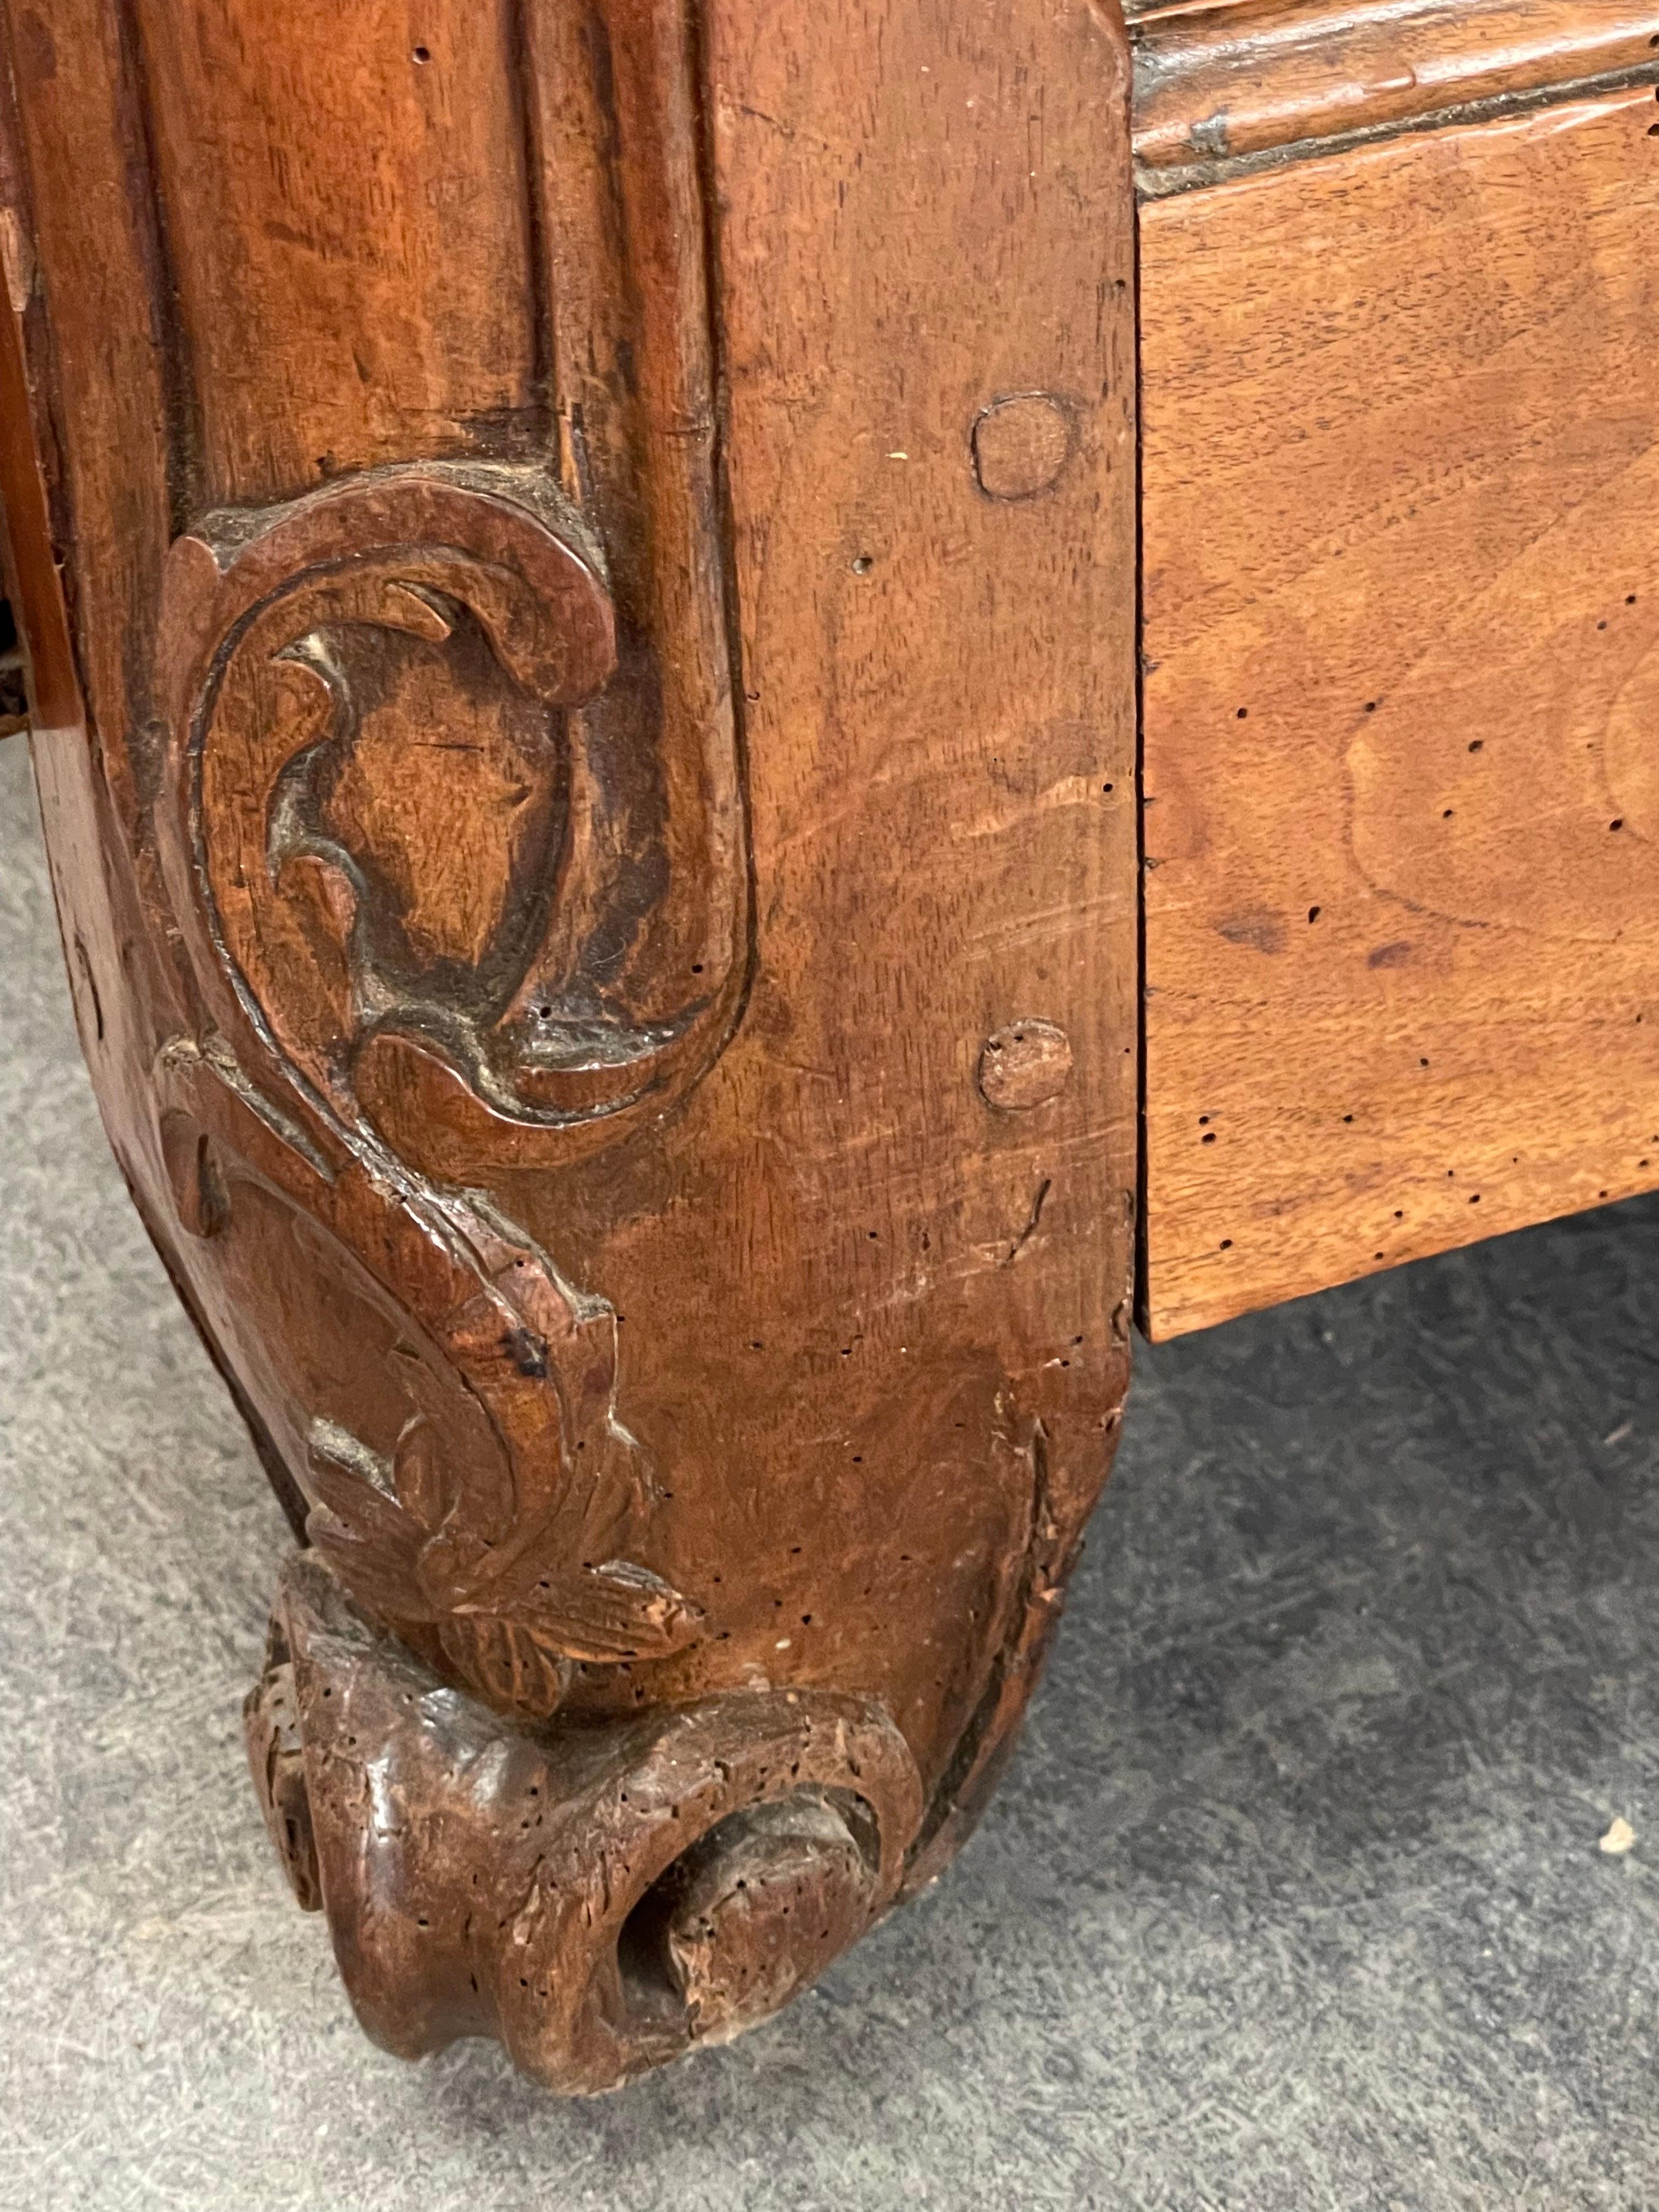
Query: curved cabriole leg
point(589, 773)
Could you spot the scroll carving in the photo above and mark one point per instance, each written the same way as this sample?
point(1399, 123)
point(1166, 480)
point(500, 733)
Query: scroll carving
point(472, 916)
point(602, 1900)
point(383, 808)
point(451, 823)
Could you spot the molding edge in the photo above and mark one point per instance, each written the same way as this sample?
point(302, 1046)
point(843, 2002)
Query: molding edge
point(1230, 86)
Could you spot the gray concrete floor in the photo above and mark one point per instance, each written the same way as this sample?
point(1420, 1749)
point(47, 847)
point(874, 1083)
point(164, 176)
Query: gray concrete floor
point(1293, 1900)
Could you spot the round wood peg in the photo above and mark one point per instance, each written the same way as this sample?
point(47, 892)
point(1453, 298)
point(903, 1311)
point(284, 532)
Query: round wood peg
point(1025, 1064)
point(1021, 445)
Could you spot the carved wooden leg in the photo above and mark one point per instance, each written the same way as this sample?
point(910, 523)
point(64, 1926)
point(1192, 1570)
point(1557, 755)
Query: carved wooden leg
point(589, 772)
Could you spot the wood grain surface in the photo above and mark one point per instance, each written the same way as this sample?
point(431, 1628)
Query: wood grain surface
point(1402, 675)
point(1217, 84)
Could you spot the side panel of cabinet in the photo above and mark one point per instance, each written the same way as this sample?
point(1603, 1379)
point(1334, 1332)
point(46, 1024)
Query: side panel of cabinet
point(1401, 638)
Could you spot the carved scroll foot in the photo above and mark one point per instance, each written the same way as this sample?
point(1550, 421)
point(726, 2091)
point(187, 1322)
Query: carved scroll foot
point(600, 1895)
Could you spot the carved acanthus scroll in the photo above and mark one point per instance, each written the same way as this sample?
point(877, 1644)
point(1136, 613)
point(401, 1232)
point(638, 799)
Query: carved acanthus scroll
point(471, 916)
point(396, 850)
point(450, 822)
point(445, 1399)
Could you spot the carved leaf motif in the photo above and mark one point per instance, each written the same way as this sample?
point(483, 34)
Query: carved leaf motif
point(495, 1515)
point(540, 1362)
point(421, 870)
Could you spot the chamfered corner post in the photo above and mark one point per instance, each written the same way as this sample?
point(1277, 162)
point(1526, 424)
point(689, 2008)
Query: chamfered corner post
point(587, 740)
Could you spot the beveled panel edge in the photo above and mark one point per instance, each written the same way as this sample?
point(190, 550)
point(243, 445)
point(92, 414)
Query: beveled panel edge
point(1225, 87)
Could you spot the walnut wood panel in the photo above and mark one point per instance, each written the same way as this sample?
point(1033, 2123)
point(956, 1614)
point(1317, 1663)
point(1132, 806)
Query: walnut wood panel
point(925, 747)
point(600, 881)
point(1401, 634)
point(1216, 85)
